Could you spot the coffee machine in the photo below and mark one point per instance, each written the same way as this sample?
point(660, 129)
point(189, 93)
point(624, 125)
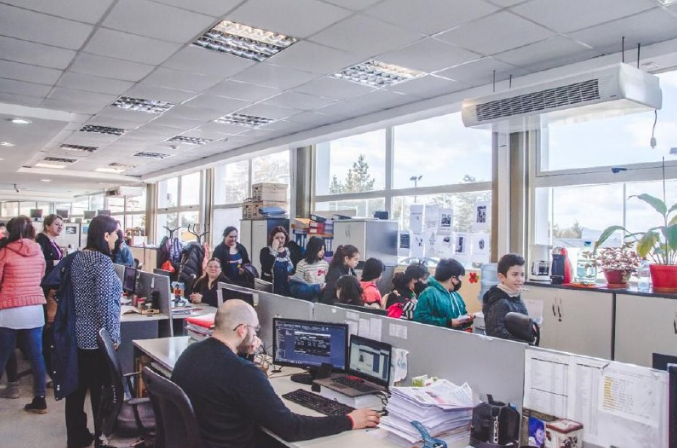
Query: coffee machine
point(539, 266)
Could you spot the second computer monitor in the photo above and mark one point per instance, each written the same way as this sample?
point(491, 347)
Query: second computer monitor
point(129, 280)
point(228, 294)
point(262, 285)
point(309, 344)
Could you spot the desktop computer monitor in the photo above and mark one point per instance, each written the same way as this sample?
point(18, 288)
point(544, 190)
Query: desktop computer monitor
point(162, 272)
point(89, 214)
point(129, 280)
point(310, 345)
point(63, 212)
point(228, 293)
point(262, 285)
point(103, 213)
point(36, 213)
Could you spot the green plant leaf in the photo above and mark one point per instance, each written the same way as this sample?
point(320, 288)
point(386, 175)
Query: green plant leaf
point(606, 234)
point(673, 221)
point(673, 208)
point(670, 234)
point(653, 201)
point(647, 243)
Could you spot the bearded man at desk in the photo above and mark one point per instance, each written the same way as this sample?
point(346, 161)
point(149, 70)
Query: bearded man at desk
point(232, 397)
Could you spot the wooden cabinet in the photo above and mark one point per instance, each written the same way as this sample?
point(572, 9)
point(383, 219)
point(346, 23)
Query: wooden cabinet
point(575, 321)
point(645, 325)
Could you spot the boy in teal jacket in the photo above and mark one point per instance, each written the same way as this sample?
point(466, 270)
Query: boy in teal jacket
point(440, 304)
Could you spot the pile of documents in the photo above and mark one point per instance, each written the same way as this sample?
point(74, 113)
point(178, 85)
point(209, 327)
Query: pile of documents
point(181, 308)
point(200, 327)
point(444, 408)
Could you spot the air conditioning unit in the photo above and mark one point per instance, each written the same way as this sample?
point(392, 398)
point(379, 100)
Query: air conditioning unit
point(619, 90)
point(124, 191)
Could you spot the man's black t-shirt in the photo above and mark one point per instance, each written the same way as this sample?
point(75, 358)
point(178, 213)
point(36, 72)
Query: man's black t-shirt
point(232, 397)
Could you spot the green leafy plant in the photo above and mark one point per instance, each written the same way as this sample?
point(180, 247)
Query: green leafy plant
point(658, 244)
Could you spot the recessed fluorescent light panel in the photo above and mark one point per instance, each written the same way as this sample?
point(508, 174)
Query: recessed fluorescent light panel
point(142, 105)
point(247, 121)
point(189, 140)
point(49, 165)
point(20, 121)
point(78, 148)
point(122, 166)
point(378, 74)
point(102, 130)
point(59, 160)
point(109, 170)
point(151, 155)
point(243, 41)
point(6, 144)
point(666, 2)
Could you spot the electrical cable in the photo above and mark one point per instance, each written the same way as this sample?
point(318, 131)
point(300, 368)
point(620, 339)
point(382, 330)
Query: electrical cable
point(652, 142)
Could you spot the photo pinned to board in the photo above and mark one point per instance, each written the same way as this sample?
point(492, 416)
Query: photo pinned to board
point(461, 244)
point(446, 221)
point(404, 246)
point(417, 245)
point(432, 213)
point(416, 218)
point(482, 216)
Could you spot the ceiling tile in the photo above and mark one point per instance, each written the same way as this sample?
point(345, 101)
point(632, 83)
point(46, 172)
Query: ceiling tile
point(569, 15)
point(242, 91)
point(334, 88)
point(315, 58)
point(268, 111)
point(24, 88)
point(220, 128)
point(174, 79)
point(481, 72)
point(553, 52)
point(141, 17)
point(366, 36)
point(268, 75)
point(71, 105)
point(199, 60)
point(215, 8)
point(91, 83)
point(153, 131)
point(297, 100)
point(209, 135)
point(508, 31)
point(313, 118)
point(507, 3)
point(23, 100)
point(428, 55)
point(297, 18)
point(35, 27)
point(428, 86)
point(219, 103)
point(129, 47)
point(29, 73)
point(92, 64)
point(102, 120)
point(132, 116)
point(367, 104)
point(177, 122)
point(355, 5)
point(149, 92)
point(32, 53)
point(89, 11)
point(193, 113)
point(430, 16)
point(646, 28)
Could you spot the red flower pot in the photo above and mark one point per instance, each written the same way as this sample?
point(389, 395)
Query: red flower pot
point(617, 278)
point(664, 277)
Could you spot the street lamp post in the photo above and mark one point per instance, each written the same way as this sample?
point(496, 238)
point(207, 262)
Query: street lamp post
point(415, 179)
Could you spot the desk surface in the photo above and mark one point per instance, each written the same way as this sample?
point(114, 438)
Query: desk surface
point(198, 310)
point(136, 317)
point(166, 352)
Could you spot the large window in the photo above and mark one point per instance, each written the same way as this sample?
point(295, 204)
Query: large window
point(231, 183)
point(356, 207)
point(440, 151)
point(351, 165)
point(190, 189)
point(179, 200)
point(168, 193)
point(271, 168)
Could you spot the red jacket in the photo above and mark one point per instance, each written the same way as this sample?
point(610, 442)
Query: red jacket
point(22, 267)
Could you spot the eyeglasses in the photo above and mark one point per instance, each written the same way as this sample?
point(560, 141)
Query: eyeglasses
point(256, 328)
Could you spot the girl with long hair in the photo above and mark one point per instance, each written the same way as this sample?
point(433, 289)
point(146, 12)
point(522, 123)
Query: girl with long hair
point(309, 279)
point(232, 256)
point(344, 262)
point(276, 264)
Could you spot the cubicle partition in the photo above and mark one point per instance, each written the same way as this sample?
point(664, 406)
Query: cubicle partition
point(272, 305)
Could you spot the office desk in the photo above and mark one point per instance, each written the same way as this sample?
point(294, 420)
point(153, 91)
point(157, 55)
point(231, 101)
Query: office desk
point(166, 351)
point(135, 326)
point(177, 329)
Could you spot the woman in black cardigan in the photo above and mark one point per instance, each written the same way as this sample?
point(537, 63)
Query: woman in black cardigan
point(205, 287)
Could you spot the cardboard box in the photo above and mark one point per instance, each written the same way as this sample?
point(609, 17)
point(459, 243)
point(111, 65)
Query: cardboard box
point(269, 191)
point(563, 434)
point(250, 210)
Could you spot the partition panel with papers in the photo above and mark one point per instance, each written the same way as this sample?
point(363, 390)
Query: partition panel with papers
point(488, 365)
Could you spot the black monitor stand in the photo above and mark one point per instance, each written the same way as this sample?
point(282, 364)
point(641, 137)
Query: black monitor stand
point(324, 371)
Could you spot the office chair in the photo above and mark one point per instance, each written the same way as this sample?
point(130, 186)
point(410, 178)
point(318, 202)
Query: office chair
point(176, 422)
point(119, 412)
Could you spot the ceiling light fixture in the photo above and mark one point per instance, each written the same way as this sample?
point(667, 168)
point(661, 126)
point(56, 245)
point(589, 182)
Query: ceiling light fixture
point(378, 74)
point(243, 41)
point(20, 121)
point(247, 121)
point(78, 148)
point(123, 166)
point(49, 165)
point(666, 2)
point(59, 160)
point(142, 105)
point(45, 180)
point(109, 170)
point(151, 155)
point(102, 130)
point(6, 144)
point(189, 140)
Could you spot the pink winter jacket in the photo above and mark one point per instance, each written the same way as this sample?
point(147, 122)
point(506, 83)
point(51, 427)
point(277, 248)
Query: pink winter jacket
point(22, 266)
point(370, 294)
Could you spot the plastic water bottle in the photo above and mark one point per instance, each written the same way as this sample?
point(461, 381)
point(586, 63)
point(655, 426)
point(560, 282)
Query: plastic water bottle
point(644, 277)
point(586, 271)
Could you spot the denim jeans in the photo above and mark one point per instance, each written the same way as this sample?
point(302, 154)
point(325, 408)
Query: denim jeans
point(32, 340)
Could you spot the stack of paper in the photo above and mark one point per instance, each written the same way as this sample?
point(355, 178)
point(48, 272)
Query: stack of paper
point(183, 308)
point(444, 408)
point(200, 327)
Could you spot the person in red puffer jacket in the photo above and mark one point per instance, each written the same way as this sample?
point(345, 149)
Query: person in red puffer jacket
point(22, 266)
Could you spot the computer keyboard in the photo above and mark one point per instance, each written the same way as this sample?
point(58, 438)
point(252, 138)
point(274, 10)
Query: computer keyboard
point(357, 385)
point(318, 403)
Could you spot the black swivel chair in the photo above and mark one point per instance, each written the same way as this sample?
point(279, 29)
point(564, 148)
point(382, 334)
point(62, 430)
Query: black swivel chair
point(119, 412)
point(177, 426)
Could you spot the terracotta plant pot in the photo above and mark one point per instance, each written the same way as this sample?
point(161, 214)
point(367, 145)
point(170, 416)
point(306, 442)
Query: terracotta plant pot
point(664, 277)
point(617, 278)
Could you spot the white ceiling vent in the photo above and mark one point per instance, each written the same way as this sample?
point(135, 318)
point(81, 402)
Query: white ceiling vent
point(619, 90)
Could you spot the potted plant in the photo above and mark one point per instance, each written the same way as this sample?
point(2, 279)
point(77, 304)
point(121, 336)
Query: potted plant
point(657, 244)
point(618, 264)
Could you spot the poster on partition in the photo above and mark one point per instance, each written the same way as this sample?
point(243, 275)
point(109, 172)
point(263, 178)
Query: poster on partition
point(445, 245)
point(416, 218)
point(430, 244)
point(404, 246)
point(432, 213)
point(462, 241)
point(446, 221)
point(417, 245)
point(482, 216)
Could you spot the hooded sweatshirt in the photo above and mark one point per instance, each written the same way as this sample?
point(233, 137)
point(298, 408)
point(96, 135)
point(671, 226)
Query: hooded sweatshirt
point(496, 304)
point(22, 267)
point(437, 306)
point(370, 294)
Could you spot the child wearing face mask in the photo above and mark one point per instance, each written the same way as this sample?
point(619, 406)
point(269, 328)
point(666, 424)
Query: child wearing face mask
point(441, 304)
point(407, 286)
